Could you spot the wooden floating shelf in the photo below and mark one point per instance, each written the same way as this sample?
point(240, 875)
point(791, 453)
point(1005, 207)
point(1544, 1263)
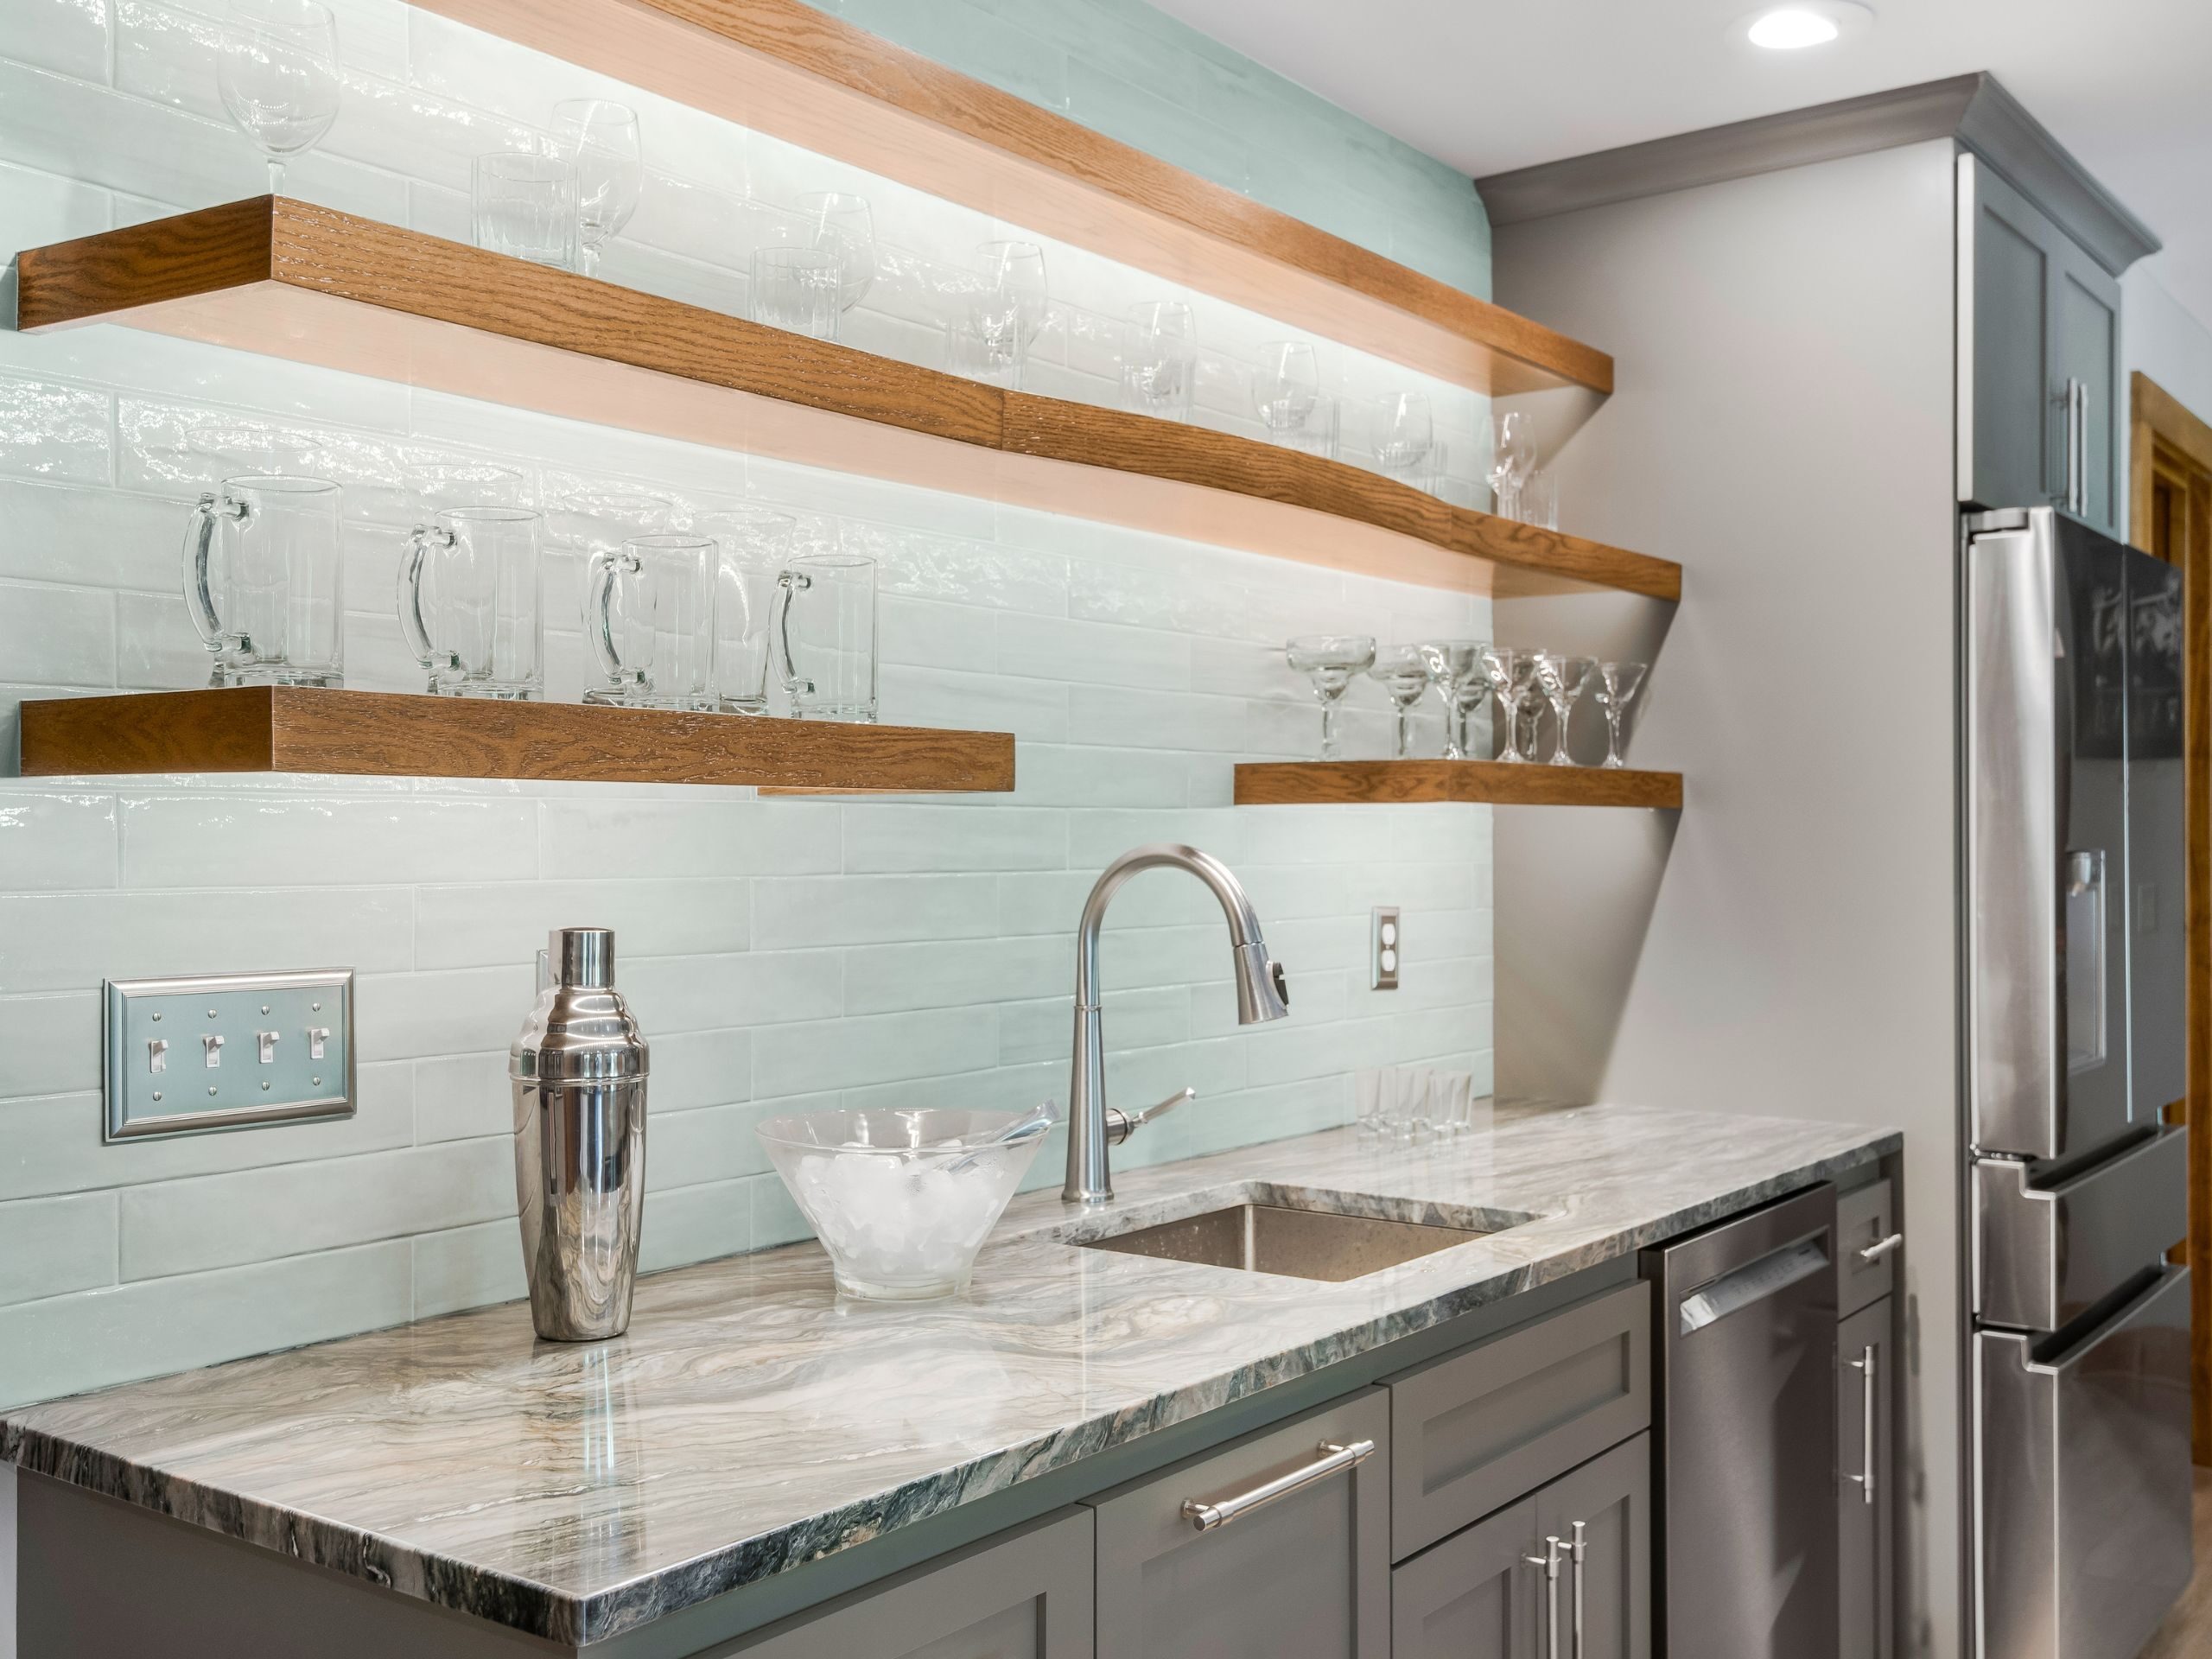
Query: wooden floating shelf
point(1302, 783)
point(294, 729)
point(289, 279)
point(784, 68)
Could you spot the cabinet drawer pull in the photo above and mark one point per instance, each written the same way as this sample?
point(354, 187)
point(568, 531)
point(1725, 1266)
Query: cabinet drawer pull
point(1579, 1545)
point(1864, 1480)
point(1204, 1516)
point(1549, 1560)
point(1882, 1247)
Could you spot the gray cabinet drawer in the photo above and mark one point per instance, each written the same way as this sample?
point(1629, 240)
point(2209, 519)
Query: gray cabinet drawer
point(1473, 1431)
point(1025, 1594)
point(1305, 1577)
point(1863, 1220)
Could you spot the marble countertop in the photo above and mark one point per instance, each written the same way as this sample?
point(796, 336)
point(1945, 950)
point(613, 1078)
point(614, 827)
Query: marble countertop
point(749, 1422)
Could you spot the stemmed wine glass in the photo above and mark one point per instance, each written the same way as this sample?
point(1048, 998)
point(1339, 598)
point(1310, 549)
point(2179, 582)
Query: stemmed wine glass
point(277, 70)
point(842, 223)
point(1562, 680)
point(1286, 385)
point(1007, 307)
point(1510, 673)
point(1402, 671)
point(1456, 667)
point(1402, 431)
point(1330, 660)
point(1512, 460)
point(600, 138)
point(1615, 689)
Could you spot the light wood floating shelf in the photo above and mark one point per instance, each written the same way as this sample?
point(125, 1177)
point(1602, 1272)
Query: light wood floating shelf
point(1300, 783)
point(294, 729)
point(289, 279)
point(783, 67)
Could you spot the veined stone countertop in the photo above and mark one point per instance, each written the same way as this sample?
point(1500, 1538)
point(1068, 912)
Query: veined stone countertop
point(749, 1422)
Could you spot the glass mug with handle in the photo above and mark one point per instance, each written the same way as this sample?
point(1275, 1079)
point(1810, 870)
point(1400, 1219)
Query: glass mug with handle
point(264, 579)
point(472, 603)
point(823, 631)
point(752, 543)
point(648, 612)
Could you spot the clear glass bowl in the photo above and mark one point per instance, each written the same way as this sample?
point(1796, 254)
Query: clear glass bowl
point(899, 1223)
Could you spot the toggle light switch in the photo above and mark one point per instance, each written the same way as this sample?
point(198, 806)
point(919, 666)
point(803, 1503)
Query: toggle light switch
point(268, 1041)
point(317, 1037)
point(157, 1054)
point(212, 1046)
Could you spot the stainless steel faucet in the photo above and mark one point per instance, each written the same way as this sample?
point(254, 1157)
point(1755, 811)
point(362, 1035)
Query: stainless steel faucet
point(1261, 995)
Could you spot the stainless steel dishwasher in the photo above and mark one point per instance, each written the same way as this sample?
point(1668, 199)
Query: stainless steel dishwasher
point(1745, 1435)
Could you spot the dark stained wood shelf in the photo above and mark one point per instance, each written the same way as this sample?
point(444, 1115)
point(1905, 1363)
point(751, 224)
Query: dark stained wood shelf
point(1299, 783)
point(292, 280)
point(294, 730)
point(786, 68)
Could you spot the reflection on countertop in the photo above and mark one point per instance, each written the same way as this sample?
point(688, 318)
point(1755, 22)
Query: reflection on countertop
point(750, 1422)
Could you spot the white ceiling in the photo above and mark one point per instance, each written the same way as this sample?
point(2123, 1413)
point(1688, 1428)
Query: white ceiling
point(1493, 85)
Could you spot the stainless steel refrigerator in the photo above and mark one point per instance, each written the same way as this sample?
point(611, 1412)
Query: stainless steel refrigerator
point(2075, 888)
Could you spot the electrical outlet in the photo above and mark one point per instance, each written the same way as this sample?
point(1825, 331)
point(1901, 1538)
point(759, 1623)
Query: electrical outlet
point(226, 1052)
point(1386, 946)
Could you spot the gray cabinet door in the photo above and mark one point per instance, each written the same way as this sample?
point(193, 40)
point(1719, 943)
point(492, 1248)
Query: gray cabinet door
point(1305, 1577)
point(1865, 1529)
point(1026, 1594)
point(1606, 1590)
point(2084, 351)
point(1474, 1595)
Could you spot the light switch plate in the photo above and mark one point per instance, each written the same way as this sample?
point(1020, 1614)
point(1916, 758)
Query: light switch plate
point(226, 1052)
point(1386, 949)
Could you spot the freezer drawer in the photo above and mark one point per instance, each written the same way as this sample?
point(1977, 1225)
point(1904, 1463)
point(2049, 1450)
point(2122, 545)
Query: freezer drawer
point(2046, 1256)
point(2084, 1472)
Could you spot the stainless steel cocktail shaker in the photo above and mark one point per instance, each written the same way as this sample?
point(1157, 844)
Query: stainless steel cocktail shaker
point(579, 1075)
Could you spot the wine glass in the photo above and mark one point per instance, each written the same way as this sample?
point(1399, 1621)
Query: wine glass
point(1286, 385)
point(1402, 671)
point(1401, 430)
point(842, 223)
point(1160, 358)
point(277, 70)
point(1562, 680)
point(1330, 660)
point(1007, 307)
point(1615, 689)
point(598, 138)
point(1510, 673)
point(1456, 667)
point(1512, 459)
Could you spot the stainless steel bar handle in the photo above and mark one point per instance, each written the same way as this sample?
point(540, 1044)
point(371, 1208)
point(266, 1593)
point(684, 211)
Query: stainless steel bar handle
point(1549, 1561)
point(1882, 1247)
point(1578, 1547)
point(1865, 1364)
point(1334, 1458)
point(2077, 446)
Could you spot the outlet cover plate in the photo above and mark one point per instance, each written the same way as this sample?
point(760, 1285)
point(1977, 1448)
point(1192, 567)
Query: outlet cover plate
point(1385, 949)
point(184, 1056)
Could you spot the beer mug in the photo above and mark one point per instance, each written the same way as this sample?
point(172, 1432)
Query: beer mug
point(648, 612)
point(754, 542)
point(472, 603)
point(264, 580)
point(824, 632)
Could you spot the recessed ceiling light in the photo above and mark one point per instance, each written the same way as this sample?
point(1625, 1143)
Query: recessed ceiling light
point(1810, 22)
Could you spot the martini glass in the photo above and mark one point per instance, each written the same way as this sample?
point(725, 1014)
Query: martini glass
point(1456, 668)
point(1510, 673)
point(1562, 680)
point(1402, 671)
point(1330, 660)
point(1616, 687)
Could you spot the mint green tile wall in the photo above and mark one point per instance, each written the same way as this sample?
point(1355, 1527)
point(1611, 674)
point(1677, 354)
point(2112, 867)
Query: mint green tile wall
point(1136, 75)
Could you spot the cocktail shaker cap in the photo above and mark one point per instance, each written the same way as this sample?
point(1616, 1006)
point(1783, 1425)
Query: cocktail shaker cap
point(581, 1031)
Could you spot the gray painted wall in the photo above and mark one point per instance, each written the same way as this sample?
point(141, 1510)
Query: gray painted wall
point(1783, 428)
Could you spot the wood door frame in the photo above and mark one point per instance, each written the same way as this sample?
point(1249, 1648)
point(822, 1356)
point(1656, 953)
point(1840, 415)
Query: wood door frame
point(2166, 441)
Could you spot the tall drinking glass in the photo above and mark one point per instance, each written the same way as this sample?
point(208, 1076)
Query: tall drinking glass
point(823, 631)
point(524, 204)
point(600, 138)
point(1329, 661)
point(264, 580)
point(841, 224)
point(1401, 430)
point(1006, 308)
point(1159, 359)
point(796, 289)
point(472, 603)
point(752, 544)
point(276, 72)
point(1285, 387)
point(648, 612)
point(1513, 457)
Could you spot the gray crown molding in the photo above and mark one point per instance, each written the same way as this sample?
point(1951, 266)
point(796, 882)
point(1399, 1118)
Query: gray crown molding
point(1974, 109)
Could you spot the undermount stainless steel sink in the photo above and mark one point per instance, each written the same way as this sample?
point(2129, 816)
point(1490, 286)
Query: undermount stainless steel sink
point(1295, 1243)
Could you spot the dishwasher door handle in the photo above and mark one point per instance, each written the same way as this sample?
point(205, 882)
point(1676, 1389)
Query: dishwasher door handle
point(1865, 1365)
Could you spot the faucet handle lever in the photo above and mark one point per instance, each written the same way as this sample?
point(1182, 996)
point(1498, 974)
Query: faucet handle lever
point(1121, 1125)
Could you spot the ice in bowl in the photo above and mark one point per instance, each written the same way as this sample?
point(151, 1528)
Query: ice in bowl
point(901, 1199)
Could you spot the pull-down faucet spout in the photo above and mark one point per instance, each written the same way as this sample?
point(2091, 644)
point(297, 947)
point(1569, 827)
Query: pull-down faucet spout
point(1261, 995)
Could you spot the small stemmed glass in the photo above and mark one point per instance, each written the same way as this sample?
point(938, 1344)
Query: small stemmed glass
point(1562, 680)
point(1510, 673)
point(1402, 671)
point(1615, 689)
point(1329, 661)
point(1285, 386)
point(276, 72)
point(840, 223)
point(1512, 461)
point(600, 139)
point(1006, 311)
point(1456, 668)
